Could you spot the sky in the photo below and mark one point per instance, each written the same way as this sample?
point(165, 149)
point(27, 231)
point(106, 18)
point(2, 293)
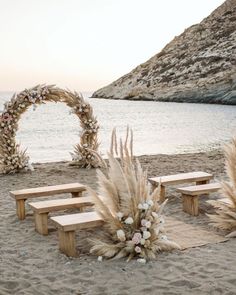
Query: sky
point(84, 45)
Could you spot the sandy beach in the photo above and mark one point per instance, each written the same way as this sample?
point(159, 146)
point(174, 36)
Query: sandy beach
point(32, 264)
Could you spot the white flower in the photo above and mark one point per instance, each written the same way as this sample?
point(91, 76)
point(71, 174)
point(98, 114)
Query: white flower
point(145, 206)
point(148, 224)
point(163, 237)
point(150, 203)
point(100, 258)
point(146, 235)
point(143, 222)
point(140, 206)
point(142, 241)
point(137, 249)
point(129, 220)
point(120, 215)
point(136, 238)
point(121, 235)
point(141, 260)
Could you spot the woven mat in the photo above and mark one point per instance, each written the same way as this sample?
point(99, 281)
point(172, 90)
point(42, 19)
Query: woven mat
point(189, 235)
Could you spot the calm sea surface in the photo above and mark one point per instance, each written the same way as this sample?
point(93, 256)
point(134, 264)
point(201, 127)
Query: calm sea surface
point(50, 132)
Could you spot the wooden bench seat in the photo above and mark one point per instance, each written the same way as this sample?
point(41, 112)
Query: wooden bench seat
point(190, 196)
point(68, 224)
point(198, 177)
point(22, 195)
point(43, 208)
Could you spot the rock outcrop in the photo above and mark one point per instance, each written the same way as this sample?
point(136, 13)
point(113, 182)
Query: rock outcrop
point(197, 66)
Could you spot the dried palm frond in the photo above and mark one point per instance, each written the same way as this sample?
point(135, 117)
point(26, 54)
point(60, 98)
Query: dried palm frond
point(225, 217)
point(12, 159)
point(133, 220)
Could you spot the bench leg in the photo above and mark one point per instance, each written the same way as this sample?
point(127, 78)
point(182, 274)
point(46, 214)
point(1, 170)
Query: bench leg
point(67, 242)
point(76, 194)
point(202, 182)
point(162, 193)
point(20, 209)
point(190, 204)
point(41, 223)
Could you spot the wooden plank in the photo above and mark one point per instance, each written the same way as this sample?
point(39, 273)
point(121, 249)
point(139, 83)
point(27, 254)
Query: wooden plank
point(200, 189)
point(47, 190)
point(41, 223)
point(190, 204)
point(181, 178)
point(67, 243)
point(20, 209)
point(77, 221)
point(60, 204)
point(162, 193)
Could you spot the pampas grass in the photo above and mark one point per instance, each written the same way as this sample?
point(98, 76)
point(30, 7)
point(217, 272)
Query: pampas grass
point(133, 221)
point(225, 217)
point(12, 159)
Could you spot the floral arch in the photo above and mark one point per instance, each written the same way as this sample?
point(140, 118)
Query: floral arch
point(13, 159)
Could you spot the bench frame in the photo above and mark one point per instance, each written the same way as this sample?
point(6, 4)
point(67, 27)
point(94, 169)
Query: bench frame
point(199, 180)
point(191, 199)
point(21, 195)
point(66, 233)
point(41, 215)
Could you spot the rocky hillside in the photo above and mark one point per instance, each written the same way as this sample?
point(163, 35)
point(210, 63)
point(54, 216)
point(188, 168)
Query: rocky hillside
point(197, 66)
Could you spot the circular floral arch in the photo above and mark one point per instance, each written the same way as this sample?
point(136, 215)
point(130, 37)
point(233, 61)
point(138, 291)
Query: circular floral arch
point(13, 159)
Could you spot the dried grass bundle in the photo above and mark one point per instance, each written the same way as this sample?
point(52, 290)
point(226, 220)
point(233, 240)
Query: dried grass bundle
point(134, 225)
point(225, 217)
point(12, 159)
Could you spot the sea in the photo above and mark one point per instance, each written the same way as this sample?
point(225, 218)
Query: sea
point(50, 132)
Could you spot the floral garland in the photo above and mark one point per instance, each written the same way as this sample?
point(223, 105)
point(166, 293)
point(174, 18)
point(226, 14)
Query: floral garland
point(133, 220)
point(12, 159)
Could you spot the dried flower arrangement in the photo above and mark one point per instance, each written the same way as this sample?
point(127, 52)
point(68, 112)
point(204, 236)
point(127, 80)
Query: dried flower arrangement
point(133, 221)
point(12, 159)
point(225, 217)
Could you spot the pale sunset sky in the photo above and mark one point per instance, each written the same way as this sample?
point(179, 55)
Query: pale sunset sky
point(86, 44)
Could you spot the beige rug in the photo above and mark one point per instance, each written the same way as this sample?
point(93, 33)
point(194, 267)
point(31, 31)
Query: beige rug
point(189, 235)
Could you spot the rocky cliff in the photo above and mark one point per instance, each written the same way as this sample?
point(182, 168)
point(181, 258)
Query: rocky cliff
point(197, 66)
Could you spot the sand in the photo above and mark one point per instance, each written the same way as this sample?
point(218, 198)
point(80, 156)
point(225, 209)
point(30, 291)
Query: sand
point(32, 264)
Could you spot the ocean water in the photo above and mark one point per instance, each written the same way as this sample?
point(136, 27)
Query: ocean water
point(50, 132)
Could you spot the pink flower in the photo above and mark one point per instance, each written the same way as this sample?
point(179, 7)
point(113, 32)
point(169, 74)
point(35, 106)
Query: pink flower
point(6, 117)
point(136, 238)
point(143, 222)
point(137, 249)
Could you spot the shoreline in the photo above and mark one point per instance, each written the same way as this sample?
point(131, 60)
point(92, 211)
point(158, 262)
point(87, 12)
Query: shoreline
point(32, 264)
point(213, 150)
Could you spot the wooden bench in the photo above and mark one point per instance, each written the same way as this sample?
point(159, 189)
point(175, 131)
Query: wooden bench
point(68, 224)
point(21, 196)
point(199, 177)
point(190, 195)
point(43, 208)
